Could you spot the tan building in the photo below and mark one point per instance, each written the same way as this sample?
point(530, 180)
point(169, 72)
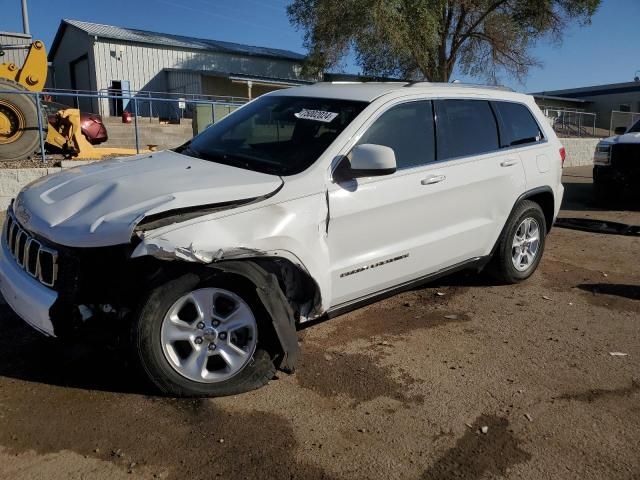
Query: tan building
point(613, 104)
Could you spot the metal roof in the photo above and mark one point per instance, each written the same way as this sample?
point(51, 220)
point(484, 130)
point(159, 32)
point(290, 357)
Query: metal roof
point(243, 76)
point(170, 40)
point(563, 99)
point(594, 90)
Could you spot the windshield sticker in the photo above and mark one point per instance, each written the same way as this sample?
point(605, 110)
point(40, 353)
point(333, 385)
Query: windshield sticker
point(317, 115)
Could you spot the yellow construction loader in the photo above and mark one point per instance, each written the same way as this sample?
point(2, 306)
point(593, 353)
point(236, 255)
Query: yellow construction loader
point(19, 126)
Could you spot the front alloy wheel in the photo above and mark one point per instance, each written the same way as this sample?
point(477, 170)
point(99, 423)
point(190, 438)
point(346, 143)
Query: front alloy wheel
point(209, 335)
point(204, 336)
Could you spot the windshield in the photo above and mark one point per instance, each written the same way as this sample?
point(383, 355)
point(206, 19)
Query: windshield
point(635, 128)
point(275, 134)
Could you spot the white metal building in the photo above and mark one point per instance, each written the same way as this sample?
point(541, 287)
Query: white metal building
point(95, 57)
point(11, 39)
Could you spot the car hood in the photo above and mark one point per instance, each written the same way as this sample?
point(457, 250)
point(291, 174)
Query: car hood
point(626, 138)
point(101, 203)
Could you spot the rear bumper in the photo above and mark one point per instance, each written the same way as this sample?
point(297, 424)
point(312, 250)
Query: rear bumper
point(26, 296)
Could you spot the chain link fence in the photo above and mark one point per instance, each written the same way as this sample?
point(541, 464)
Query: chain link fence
point(622, 119)
point(571, 123)
point(149, 121)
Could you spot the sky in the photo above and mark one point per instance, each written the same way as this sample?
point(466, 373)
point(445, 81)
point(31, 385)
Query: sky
point(606, 51)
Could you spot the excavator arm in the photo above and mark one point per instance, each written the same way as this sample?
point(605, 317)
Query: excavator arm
point(33, 74)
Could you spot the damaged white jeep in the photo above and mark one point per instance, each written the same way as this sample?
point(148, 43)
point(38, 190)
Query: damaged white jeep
point(301, 205)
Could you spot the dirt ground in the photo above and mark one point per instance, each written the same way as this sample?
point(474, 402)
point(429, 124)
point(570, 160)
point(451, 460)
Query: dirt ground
point(400, 389)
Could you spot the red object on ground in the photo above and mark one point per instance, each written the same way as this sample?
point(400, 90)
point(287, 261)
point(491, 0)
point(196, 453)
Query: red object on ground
point(91, 124)
point(126, 117)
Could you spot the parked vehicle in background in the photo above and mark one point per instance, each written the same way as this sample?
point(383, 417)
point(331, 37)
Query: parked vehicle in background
point(302, 204)
point(92, 125)
point(616, 165)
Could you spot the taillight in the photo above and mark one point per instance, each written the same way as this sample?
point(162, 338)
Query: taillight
point(563, 155)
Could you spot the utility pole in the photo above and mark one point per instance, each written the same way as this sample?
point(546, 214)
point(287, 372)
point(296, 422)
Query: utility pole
point(25, 18)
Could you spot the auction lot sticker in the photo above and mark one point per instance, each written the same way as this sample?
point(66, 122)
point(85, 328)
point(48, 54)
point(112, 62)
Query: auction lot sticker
point(317, 115)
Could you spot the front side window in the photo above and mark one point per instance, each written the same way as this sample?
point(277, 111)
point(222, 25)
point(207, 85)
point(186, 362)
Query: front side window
point(518, 127)
point(407, 129)
point(465, 127)
point(275, 134)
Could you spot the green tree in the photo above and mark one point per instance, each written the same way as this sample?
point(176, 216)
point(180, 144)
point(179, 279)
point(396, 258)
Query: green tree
point(427, 39)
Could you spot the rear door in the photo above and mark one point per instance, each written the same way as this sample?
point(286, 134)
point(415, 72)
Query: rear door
point(485, 179)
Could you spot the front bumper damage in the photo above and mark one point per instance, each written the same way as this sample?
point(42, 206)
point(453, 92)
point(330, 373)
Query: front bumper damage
point(27, 297)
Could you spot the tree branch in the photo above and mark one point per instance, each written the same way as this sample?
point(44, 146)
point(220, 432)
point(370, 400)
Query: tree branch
point(456, 45)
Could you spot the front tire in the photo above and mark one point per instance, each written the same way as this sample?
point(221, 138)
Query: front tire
point(521, 244)
point(19, 135)
point(196, 337)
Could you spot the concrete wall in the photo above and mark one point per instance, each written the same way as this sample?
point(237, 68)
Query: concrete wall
point(579, 151)
point(12, 181)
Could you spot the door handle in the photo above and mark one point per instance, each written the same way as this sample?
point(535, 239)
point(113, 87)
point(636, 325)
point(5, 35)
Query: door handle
point(508, 163)
point(432, 179)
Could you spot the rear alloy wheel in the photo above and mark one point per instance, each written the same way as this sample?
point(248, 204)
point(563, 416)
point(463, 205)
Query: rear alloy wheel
point(521, 244)
point(526, 244)
point(197, 337)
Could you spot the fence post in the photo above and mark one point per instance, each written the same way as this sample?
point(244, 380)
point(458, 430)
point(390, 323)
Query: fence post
point(135, 122)
point(150, 108)
point(40, 126)
point(580, 124)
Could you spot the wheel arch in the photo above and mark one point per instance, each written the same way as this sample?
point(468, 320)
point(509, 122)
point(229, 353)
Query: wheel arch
point(274, 292)
point(544, 197)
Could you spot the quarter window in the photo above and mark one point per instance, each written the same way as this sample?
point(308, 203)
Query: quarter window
point(517, 125)
point(408, 129)
point(465, 127)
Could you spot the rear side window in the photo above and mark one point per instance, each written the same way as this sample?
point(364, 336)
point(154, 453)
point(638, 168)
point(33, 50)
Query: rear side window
point(517, 125)
point(408, 129)
point(465, 127)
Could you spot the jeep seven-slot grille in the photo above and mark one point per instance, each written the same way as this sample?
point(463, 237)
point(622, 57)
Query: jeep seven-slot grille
point(37, 260)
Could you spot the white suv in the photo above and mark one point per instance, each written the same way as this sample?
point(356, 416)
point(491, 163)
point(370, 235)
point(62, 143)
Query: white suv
point(302, 204)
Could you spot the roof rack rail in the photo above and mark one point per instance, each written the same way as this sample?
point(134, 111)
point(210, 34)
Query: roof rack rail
point(357, 82)
point(420, 83)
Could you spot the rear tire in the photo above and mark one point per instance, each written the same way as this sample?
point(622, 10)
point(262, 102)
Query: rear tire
point(171, 364)
point(521, 244)
point(19, 137)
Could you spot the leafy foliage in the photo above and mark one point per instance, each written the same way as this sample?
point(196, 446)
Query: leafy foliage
point(426, 39)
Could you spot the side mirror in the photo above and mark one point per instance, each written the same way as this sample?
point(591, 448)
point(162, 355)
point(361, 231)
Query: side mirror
point(369, 160)
point(620, 130)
